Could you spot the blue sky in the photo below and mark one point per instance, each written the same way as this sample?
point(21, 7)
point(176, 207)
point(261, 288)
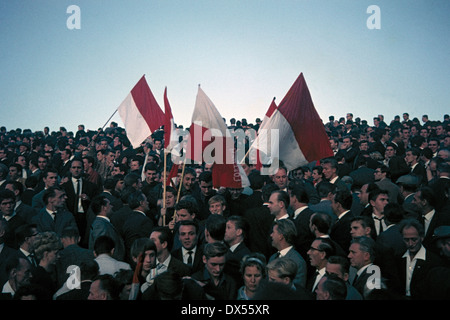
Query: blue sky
point(242, 53)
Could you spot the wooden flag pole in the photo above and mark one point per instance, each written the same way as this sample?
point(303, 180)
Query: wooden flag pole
point(179, 188)
point(164, 186)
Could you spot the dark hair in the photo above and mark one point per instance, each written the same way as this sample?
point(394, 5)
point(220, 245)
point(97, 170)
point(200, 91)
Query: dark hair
point(104, 244)
point(335, 286)
point(344, 197)
point(165, 235)
point(97, 203)
point(215, 224)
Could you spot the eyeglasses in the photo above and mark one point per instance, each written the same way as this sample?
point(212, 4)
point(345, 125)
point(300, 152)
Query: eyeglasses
point(315, 249)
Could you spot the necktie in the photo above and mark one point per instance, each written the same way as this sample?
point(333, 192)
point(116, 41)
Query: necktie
point(189, 261)
point(32, 259)
point(78, 202)
point(380, 223)
point(278, 255)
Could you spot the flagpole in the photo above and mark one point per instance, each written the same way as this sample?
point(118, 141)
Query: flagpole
point(164, 186)
point(179, 188)
point(110, 118)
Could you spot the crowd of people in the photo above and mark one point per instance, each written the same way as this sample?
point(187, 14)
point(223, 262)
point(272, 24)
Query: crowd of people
point(85, 216)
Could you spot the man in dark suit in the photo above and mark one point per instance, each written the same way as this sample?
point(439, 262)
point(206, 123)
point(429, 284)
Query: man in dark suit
point(7, 212)
point(79, 192)
point(340, 230)
point(102, 226)
point(165, 261)
point(430, 218)
point(361, 256)
point(412, 158)
point(49, 179)
point(330, 172)
point(138, 224)
point(5, 252)
point(417, 258)
point(325, 191)
point(383, 181)
point(206, 192)
point(260, 224)
point(397, 165)
point(54, 216)
point(190, 252)
point(302, 214)
point(23, 210)
point(211, 282)
point(71, 254)
point(235, 237)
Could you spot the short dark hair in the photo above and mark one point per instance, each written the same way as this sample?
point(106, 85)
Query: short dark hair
point(104, 244)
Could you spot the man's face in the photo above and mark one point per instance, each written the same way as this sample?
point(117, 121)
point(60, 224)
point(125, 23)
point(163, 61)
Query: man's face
point(334, 268)
point(433, 145)
point(59, 200)
point(206, 188)
point(378, 175)
point(22, 274)
point(410, 159)
point(13, 173)
point(22, 161)
point(51, 179)
point(134, 165)
point(412, 239)
point(417, 200)
point(356, 256)
point(7, 206)
point(76, 168)
point(150, 176)
point(217, 208)
point(274, 206)
point(357, 230)
point(380, 202)
point(154, 236)
point(280, 179)
point(389, 153)
point(424, 133)
point(42, 163)
point(188, 181)
point(231, 233)
point(315, 254)
point(215, 265)
point(333, 144)
point(235, 193)
point(444, 247)
point(346, 143)
point(149, 261)
point(328, 171)
point(183, 214)
point(276, 236)
point(188, 236)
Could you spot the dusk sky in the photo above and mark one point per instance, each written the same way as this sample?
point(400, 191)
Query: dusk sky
point(242, 53)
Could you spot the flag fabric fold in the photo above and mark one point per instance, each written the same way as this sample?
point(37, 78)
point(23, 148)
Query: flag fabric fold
point(294, 131)
point(210, 141)
point(140, 113)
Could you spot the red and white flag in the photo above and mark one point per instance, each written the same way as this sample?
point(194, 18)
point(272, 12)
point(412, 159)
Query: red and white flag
point(272, 108)
point(140, 113)
point(294, 134)
point(210, 141)
point(170, 136)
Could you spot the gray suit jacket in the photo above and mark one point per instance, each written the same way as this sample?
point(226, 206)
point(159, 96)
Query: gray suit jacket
point(300, 278)
point(103, 227)
point(63, 219)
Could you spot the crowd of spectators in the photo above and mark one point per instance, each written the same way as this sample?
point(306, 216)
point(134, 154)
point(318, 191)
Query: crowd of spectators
point(84, 214)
